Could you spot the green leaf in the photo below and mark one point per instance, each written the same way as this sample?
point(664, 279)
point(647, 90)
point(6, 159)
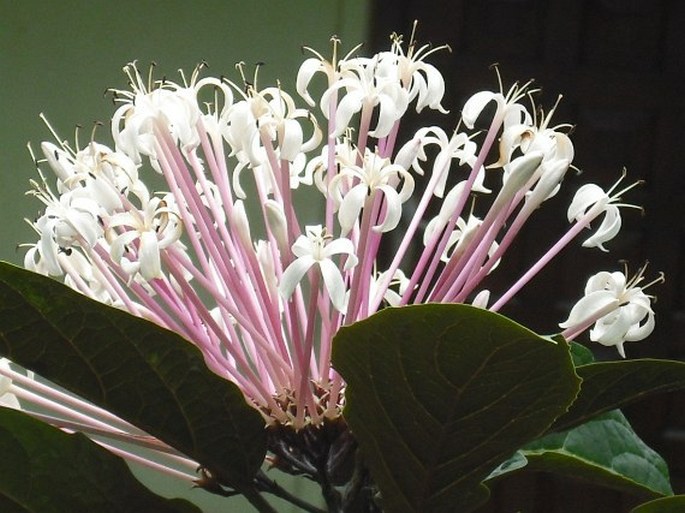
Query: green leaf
point(581, 355)
point(438, 396)
point(675, 504)
point(610, 385)
point(606, 451)
point(145, 374)
point(44, 470)
point(516, 462)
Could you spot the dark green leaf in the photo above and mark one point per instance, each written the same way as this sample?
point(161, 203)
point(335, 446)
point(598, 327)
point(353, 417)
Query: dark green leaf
point(674, 504)
point(610, 385)
point(606, 451)
point(439, 396)
point(581, 355)
point(145, 374)
point(44, 470)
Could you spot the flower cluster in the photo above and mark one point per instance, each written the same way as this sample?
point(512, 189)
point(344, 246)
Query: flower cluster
point(226, 257)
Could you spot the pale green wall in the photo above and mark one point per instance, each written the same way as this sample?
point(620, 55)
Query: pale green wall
point(58, 57)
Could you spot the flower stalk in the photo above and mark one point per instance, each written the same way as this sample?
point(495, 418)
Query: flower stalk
point(225, 256)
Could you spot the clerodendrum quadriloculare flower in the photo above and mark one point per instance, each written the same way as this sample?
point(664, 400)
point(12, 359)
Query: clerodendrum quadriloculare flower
point(617, 306)
point(224, 255)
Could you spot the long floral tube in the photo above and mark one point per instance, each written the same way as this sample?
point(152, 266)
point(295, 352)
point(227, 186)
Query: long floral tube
point(226, 256)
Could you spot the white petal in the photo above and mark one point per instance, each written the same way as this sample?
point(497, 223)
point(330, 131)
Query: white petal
point(613, 282)
point(348, 107)
point(334, 284)
point(118, 245)
point(48, 251)
point(481, 299)
point(240, 224)
point(641, 331)
point(611, 330)
point(584, 199)
point(434, 91)
point(475, 105)
point(588, 306)
point(393, 211)
point(351, 206)
point(148, 256)
point(304, 76)
point(390, 110)
point(290, 142)
point(611, 225)
point(293, 274)
point(547, 186)
point(340, 246)
point(58, 161)
point(408, 153)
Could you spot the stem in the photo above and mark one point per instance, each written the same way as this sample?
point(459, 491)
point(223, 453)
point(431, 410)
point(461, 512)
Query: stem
point(551, 253)
point(258, 500)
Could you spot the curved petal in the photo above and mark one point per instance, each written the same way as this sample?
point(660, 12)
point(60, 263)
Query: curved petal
point(549, 182)
point(304, 76)
point(584, 199)
point(611, 330)
point(588, 306)
point(604, 280)
point(118, 245)
point(290, 139)
point(434, 90)
point(351, 206)
point(333, 281)
point(342, 246)
point(348, 107)
point(393, 211)
point(640, 331)
point(475, 105)
point(390, 110)
point(293, 274)
point(611, 225)
point(148, 256)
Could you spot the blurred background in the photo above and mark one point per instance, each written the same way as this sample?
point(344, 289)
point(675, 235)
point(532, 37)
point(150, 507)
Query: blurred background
point(619, 64)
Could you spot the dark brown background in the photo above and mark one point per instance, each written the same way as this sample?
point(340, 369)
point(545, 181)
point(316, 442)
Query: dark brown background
point(620, 66)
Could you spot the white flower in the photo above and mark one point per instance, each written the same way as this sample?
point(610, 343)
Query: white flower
point(146, 109)
point(375, 174)
point(393, 297)
point(106, 174)
point(508, 111)
point(363, 89)
point(319, 64)
point(316, 248)
point(268, 115)
point(137, 237)
point(591, 198)
point(70, 220)
point(345, 155)
point(458, 147)
point(421, 79)
point(461, 237)
point(620, 310)
point(527, 136)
